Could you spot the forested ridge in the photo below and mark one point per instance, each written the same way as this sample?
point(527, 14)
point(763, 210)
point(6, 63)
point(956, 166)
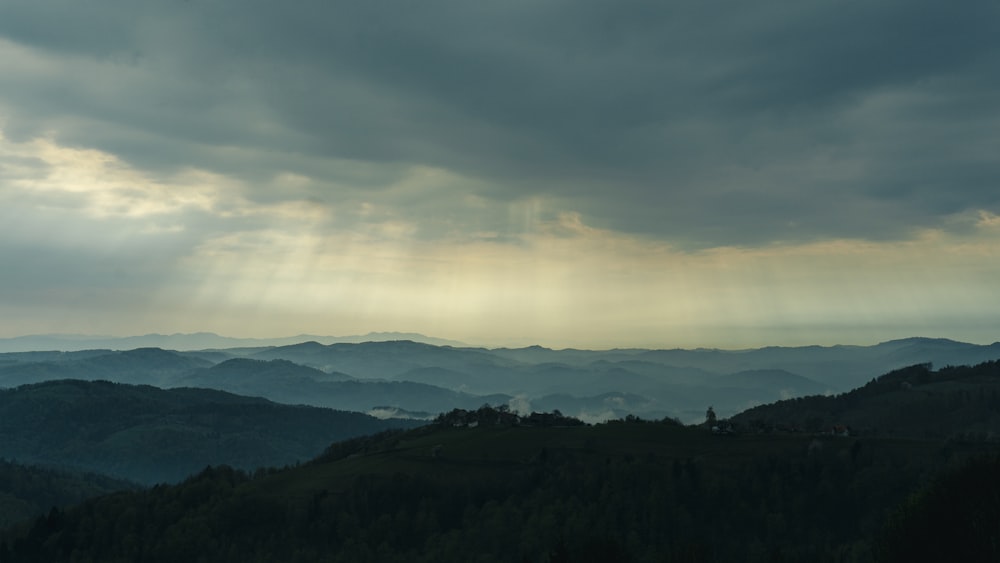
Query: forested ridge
point(151, 435)
point(954, 402)
point(489, 486)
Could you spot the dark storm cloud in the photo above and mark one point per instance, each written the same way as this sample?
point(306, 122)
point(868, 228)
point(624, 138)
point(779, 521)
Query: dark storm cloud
point(705, 123)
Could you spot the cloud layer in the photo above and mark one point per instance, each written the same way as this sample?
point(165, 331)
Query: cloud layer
point(507, 151)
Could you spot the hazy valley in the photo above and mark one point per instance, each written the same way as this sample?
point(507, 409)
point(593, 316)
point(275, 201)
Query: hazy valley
point(417, 377)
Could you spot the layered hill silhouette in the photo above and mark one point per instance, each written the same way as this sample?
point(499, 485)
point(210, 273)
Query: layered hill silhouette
point(146, 366)
point(279, 380)
point(419, 377)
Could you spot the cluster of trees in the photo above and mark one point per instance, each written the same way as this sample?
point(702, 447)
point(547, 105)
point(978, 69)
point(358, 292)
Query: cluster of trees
point(501, 415)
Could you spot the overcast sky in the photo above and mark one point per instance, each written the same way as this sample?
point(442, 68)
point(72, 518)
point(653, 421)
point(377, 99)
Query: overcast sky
point(589, 173)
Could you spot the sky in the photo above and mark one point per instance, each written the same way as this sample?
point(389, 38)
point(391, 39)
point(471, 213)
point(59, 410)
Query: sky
point(668, 173)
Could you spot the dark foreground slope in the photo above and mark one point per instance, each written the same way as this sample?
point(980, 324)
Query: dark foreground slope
point(627, 491)
point(152, 435)
point(28, 491)
point(956, 518)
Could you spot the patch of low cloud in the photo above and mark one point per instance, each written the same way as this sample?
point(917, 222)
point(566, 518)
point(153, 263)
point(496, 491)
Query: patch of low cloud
point(596, 417)
point(520, 404)
point(615, 402)
point(385, 413)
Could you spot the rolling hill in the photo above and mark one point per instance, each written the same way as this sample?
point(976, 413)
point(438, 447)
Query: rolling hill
point(917, 402)
point(151, 435)
point(146, 366)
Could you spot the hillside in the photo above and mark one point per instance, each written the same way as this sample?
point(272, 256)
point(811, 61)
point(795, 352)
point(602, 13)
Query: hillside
point(917, 402)
point(279, 380)
point(678, 383)
point(386, 359)
point(30, 491)
point(145, 366)
point(627, 491)
point(839, 368)
point(151, 435)
point(288, 382)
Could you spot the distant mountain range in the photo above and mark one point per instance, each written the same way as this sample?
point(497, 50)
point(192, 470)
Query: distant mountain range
point(193, 341)
point(409, 376)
